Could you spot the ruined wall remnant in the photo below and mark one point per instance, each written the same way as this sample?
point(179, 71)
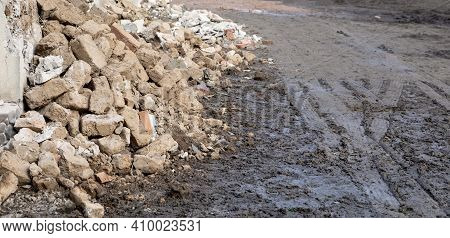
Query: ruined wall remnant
point(19, 31)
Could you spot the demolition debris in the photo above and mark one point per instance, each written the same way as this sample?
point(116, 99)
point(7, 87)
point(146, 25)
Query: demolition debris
point(110, 80)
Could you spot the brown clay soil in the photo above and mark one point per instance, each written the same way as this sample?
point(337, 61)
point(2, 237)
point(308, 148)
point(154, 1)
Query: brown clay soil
point(351, 120)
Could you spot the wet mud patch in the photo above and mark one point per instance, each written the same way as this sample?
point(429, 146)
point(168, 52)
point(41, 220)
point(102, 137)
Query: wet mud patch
point(422, 36)
point(386, 49)
point(423, 17)
point(444, 54)
point(419, 134)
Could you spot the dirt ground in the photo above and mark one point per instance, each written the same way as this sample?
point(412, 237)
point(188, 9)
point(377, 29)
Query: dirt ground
point(351, 120)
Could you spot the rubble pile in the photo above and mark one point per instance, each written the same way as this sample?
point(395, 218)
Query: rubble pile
point(112, 80)
point(210, 26)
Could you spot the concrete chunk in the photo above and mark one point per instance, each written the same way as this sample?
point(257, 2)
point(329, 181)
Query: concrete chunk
point(171, 78)
point(83, 200)
point(74, 100)
point(122, 163)
point(148, 57)
point(78, 75)
point(156, 73)
point(135, 71)
point(103, 177)
point(94, 29)
point(67, 13)
point(85, 49)
point(131, 118)
point(52, 131)
point(73, 126)
point(51, 26)
point(56, 113)
point(35, 170)
point(27, 151)
point(125, 37)
point(147, 103)
point(32, 120)
point(111, 145)
point(78, 166)
point(139, 138)
point(43, 183)
point(102, 98)
point(160, 146)
point(10, 162)
point(8, 185)
point(99, 125)
point(47, 5)
point(149, 164)
point(25, 135)
point(41, 95)
point(56, 44)
point(48, 162)
point(49, 67)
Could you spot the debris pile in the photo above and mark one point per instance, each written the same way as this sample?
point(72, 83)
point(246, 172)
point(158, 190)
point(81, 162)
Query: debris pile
point(112, 80)
point(211, 27)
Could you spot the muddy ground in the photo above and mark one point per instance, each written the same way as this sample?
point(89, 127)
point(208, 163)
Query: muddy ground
point(351, 120)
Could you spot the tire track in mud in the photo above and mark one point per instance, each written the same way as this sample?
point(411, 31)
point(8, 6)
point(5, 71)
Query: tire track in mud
point(380, 180)
point(348, 91)
point(347, 98)
point(368, 178)
point(438, 92)
point(433, 94)
point(358, 88)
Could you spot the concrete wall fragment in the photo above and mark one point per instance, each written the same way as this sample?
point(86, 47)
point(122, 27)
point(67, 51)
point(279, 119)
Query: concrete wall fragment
point(19, 32)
